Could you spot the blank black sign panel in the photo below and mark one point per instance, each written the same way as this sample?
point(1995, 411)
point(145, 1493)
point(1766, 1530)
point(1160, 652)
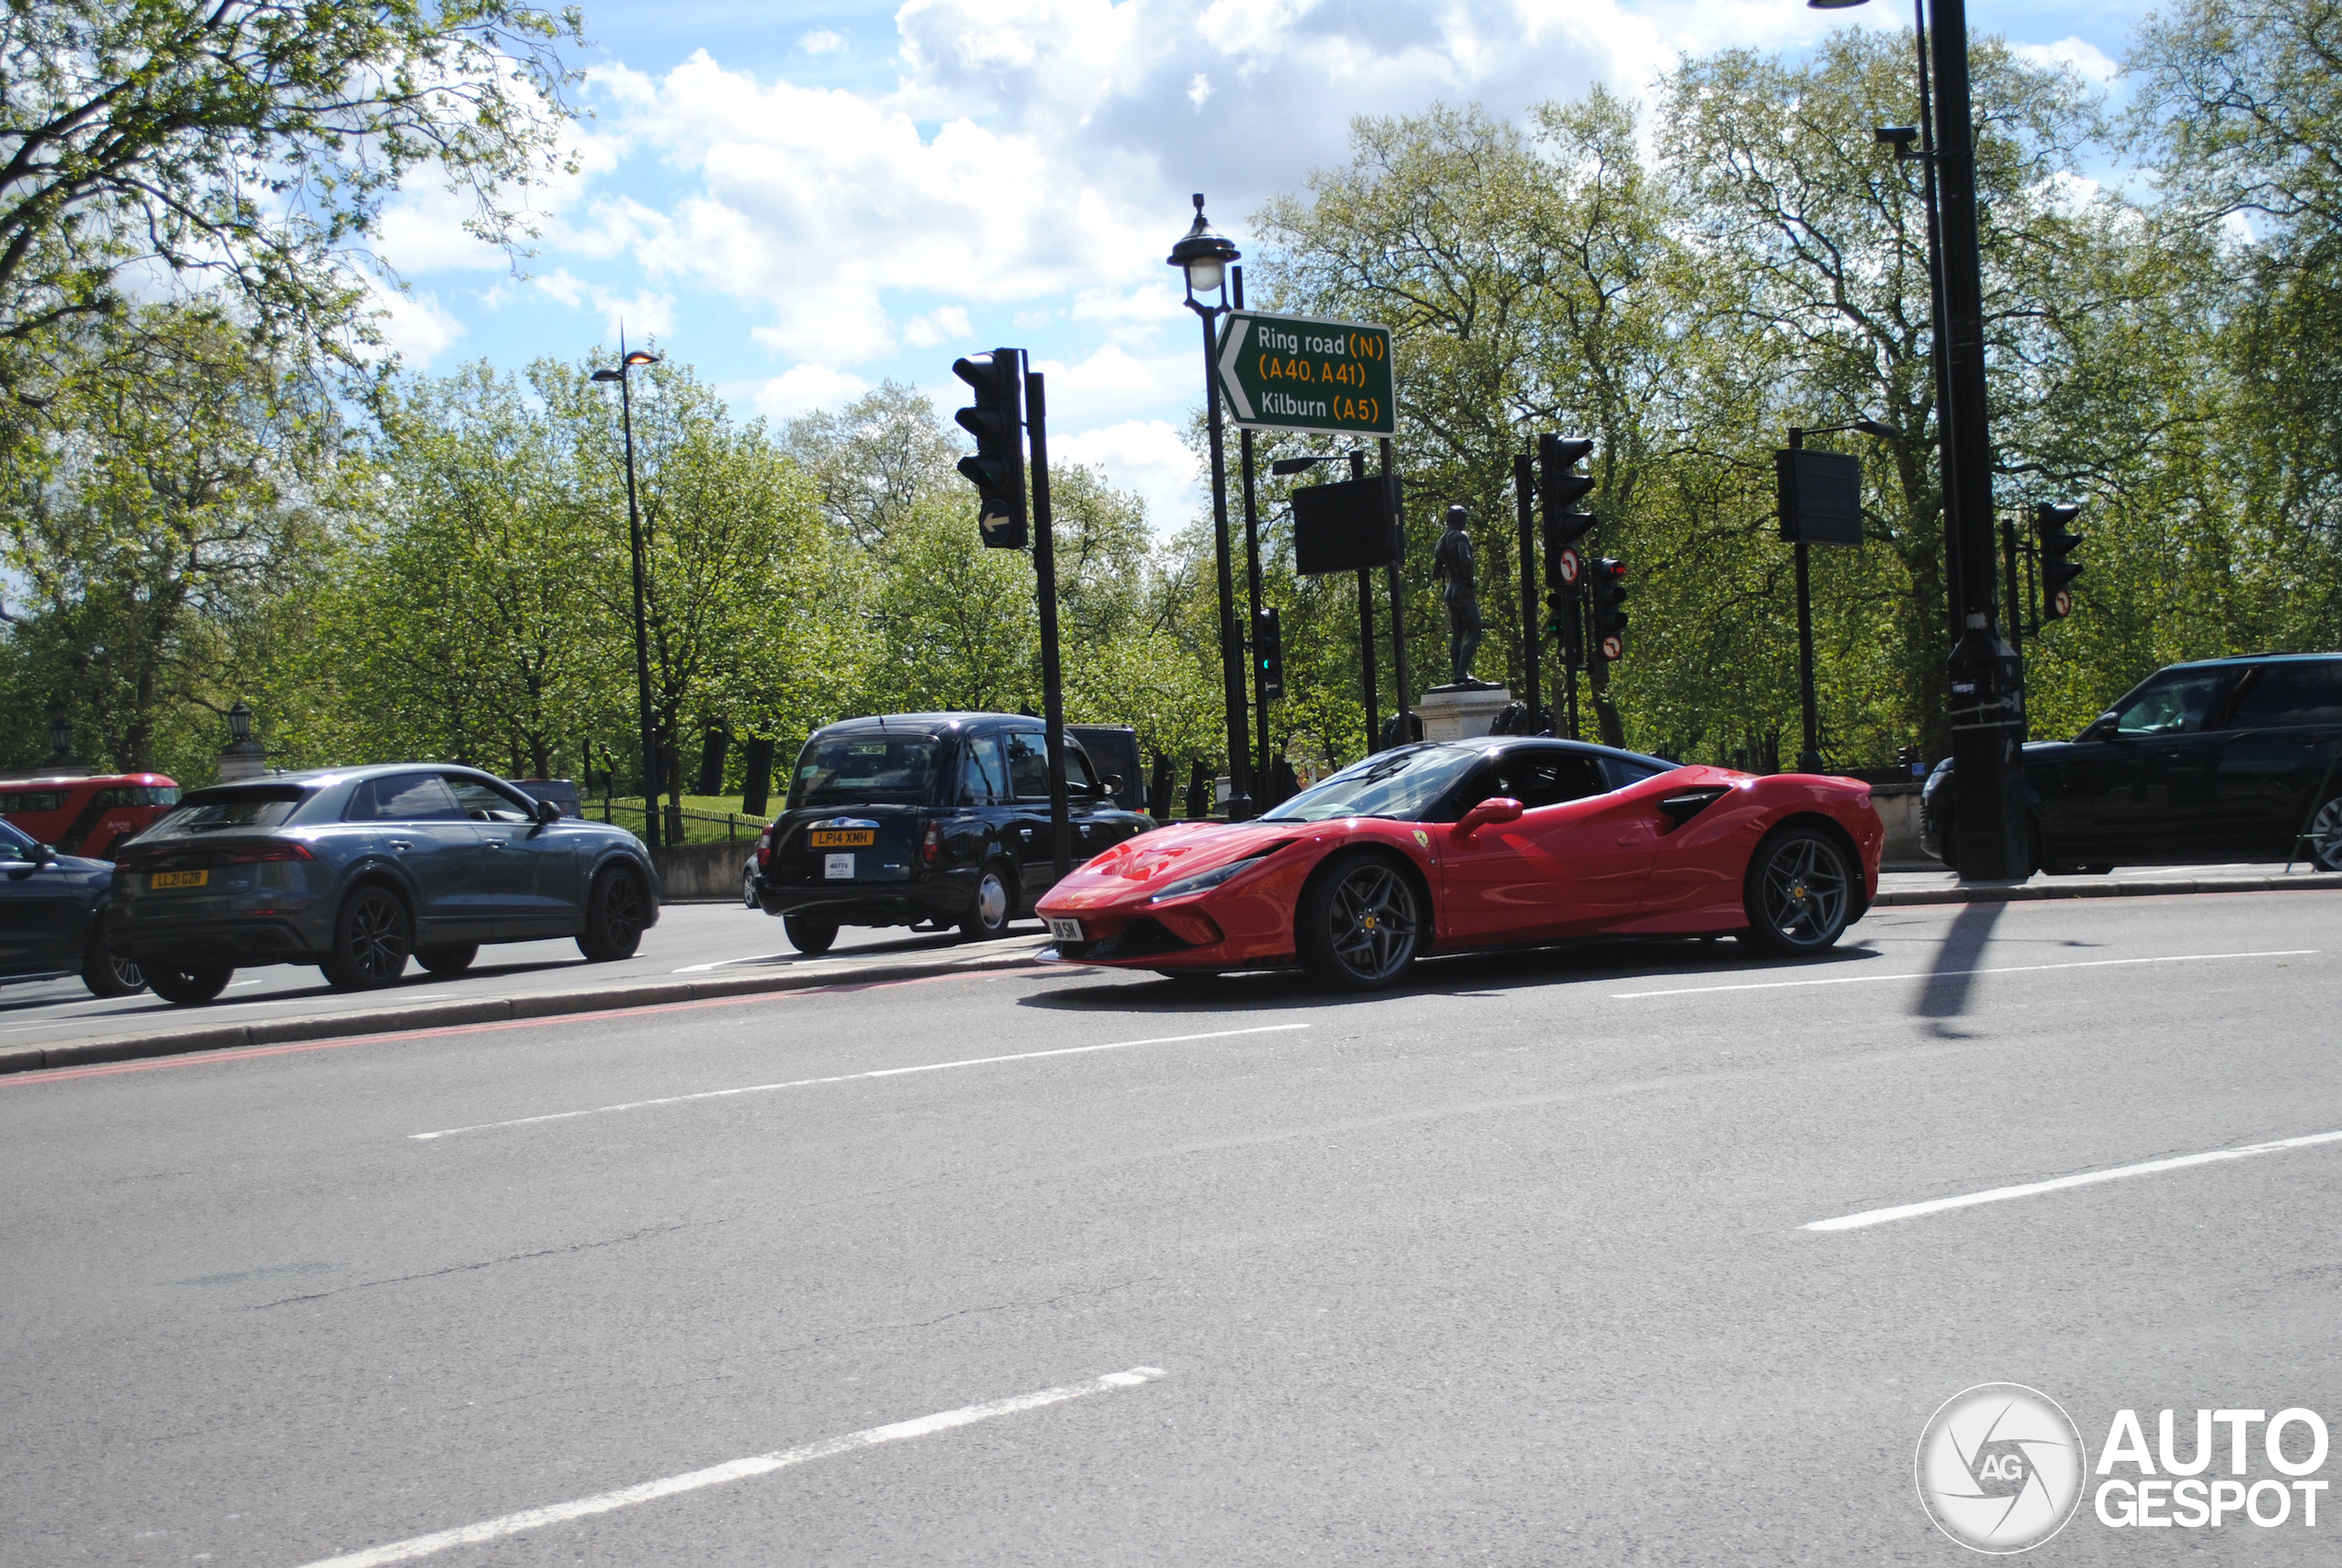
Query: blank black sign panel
point(1821, 497)
point(1342, 527)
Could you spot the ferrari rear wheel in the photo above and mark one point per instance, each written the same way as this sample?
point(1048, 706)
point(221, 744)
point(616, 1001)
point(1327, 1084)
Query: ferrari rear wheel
point(1359, 923)
point(1801, 893)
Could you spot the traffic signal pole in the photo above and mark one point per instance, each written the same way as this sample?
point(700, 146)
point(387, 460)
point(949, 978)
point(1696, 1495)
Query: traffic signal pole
point(1524, 481)
point(1045, 571)
point(1402, 703)
point(1366, 628)
point(1987, 683)
point(1808, 757)
point(1264, 773)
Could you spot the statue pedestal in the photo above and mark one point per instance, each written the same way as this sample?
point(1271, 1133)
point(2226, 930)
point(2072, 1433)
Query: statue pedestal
point(1459, 713)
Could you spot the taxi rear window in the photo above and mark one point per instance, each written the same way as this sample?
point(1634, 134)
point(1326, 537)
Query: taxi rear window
point(844, 771)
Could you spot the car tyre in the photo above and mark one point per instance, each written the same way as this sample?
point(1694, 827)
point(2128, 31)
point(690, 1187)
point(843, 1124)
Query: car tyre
point(748, 887)
point(809, 936)
point(185, 987)
point(617, 910)
point(2322, 836)
point(1360, 922)
point(993, 906)
point(372, 939)
point(105, 973)
point(1802, 892)
point(452, 958)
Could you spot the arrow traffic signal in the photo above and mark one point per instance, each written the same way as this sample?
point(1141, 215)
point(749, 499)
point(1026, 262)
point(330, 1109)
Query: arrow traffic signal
point(2057, 573)
point(1609, 609)
point(997, 422)
point(1559, 489)
point(1267, 652)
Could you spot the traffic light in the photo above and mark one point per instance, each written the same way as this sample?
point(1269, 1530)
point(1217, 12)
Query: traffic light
point(1564, 622)
point(1609, 608)
point(997, 422)
point(1559, 489)
point(2057, 573)
point(1267, 652)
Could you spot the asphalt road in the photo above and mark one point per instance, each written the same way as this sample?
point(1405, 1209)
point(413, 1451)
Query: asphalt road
point(1512, 1266)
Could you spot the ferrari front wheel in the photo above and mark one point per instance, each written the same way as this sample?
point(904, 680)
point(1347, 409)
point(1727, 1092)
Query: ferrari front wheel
point(1800, 893)
point(1359, 923)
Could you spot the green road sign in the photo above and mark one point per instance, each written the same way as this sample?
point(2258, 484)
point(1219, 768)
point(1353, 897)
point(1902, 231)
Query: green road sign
point(1292, 372)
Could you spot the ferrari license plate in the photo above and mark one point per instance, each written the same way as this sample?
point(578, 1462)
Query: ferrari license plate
point(844, 838)
point(161, 879)
point(1066, 930)
point(838, 867)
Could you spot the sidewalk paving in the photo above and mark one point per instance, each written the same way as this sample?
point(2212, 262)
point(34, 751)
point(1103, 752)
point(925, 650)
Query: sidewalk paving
point(179, 1032)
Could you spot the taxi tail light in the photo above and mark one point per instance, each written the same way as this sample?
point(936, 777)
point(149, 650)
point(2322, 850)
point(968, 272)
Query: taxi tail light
point(931, 848)
point(764, 848)
point(269, 852)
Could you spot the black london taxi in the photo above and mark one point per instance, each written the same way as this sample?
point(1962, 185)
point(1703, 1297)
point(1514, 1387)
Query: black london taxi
point(928, 821)
point(2219, 760)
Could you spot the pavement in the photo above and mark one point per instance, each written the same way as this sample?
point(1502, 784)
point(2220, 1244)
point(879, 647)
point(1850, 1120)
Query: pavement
point(1516, 1266)
point(706, 950)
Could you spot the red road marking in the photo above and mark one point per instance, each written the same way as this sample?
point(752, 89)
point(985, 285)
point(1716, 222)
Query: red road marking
point(297, 1047)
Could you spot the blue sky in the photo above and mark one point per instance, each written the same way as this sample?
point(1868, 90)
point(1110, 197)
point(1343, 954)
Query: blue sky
point(803, 201)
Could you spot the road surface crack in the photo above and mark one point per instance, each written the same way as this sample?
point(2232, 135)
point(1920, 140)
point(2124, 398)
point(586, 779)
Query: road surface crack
point(492, 1262)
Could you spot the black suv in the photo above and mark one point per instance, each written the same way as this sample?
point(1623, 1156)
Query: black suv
point(2217, 760)
point(926, 820)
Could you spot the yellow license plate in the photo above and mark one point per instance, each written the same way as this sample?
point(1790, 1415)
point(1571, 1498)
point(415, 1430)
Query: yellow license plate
point(842, 838)
point(162, 879)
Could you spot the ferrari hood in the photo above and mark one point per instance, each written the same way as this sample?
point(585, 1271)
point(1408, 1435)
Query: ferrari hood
point(1184, 849)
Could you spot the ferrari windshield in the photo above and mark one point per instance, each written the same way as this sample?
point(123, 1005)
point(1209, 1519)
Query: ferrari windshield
point(1406, 784)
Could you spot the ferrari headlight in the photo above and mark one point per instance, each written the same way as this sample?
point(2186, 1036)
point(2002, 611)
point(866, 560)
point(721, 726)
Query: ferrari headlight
point(1204, 881)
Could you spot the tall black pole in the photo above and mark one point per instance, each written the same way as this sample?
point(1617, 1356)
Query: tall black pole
point(1366, 628)
point(1987, 687)
point(641, 624)
point(1044, 571)
point(1394, 503)
point(1232, 647)
point(1265, 775)
point(1523, 484)
point(1935, 321)
point(1808, 759)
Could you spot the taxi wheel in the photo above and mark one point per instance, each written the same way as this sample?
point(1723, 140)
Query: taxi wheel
point(372, 939)
point(810, 937)
point(106, 975)
point(748, 887)
point(188, 986)
point(454, 959)
point(1801, 893)
point(1359, 924)
point(995, 905)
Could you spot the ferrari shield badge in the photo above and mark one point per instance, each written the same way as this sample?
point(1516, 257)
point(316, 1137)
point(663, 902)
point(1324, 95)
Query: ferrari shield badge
point(1423, 838)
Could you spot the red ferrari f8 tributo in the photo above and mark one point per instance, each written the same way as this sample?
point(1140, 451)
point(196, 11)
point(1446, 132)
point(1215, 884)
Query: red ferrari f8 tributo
point(1448, 846)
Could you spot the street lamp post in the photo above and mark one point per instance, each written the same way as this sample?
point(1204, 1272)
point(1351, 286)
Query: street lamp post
point(1203, 256)
point(1987, 685)
point(641, 626)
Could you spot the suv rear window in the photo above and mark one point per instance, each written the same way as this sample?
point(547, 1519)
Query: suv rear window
point(258, 806)
point(846, 770)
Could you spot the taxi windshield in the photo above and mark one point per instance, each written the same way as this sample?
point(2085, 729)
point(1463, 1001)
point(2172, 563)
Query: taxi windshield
point(846, 770)
point(1406, 784)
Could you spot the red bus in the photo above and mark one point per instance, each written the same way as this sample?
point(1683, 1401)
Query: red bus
point(87, 816)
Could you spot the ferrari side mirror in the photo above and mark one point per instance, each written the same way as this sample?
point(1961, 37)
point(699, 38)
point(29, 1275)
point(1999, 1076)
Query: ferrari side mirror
point(1501, 809)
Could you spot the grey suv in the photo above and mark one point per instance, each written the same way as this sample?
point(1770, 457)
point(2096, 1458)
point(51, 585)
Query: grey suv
point(356, 869)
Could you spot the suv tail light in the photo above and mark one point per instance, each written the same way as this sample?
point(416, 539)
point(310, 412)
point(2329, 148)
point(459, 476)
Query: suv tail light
point(250, 854)
point(931, 847)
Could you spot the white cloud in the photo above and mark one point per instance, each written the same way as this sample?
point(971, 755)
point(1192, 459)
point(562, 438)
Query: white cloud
point(801, 389)
point(944, 324)
point(821, 41)
point(1145, 456)
point(2084, 58)
point(415, 326)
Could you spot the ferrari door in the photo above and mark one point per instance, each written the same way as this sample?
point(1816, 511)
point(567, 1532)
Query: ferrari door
point(1574, 862)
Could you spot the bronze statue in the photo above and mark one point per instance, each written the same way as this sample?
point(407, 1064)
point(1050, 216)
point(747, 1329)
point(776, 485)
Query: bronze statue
point(1452, 567)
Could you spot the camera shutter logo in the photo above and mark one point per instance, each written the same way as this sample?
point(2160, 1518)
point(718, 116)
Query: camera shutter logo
point(2000, 1467)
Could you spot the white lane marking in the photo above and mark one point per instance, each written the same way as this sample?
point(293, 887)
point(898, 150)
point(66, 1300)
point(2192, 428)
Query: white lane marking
point(850, 1078)
point(736, 1470)
point(2088, 1178)
point(1946, 973)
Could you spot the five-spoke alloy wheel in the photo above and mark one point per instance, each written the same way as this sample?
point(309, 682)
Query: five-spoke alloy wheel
point(1361, 922)
point(1800, 892)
